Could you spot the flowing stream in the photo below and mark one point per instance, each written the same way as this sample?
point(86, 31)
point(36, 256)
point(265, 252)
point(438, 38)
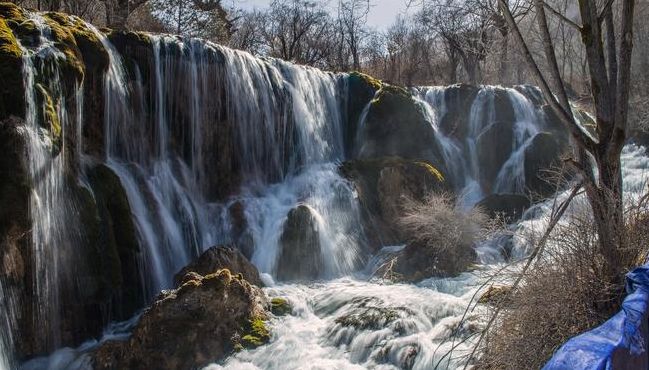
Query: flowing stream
point(165, 127)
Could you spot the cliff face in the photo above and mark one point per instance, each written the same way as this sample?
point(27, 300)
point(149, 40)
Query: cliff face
point(125, 153)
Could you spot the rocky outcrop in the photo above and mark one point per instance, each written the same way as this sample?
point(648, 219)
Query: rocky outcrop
point(543, 156)
point(218, 258)
point(381, 185)
point(202, 321)
point(396, 126)
point(494, 146)
point(509, 207)
point(300, 256)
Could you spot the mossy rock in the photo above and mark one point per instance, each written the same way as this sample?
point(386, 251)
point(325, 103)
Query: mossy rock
point(280, 306)
point(370, 82)
point(397, 125)
point(12, 96)
point(361, 90)
point(49, 117)
point(370, 318)
point(256, 334)
point(93, 54)
point(373, 178)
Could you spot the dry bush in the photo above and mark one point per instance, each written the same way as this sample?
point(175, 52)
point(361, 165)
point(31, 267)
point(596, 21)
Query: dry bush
point(563, 294)
point(436, 223)
point(440, 238)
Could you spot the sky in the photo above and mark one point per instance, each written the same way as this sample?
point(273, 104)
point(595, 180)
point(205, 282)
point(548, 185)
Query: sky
point(382, 13)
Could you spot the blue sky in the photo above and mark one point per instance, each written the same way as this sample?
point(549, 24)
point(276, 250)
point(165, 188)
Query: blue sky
point(382, 13)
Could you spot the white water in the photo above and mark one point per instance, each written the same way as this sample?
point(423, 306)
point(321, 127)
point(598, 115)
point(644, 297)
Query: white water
point(461, 154)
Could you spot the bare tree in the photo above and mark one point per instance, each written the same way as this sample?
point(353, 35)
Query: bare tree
point(608, 43)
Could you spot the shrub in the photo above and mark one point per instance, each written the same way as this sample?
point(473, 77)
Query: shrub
point(563, 294)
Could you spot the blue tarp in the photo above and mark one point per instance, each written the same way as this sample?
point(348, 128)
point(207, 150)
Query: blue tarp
point(619, 343)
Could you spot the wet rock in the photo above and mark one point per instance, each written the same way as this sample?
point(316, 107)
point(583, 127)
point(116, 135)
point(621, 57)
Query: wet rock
point(509, 207)
point(240, 232)
point(458, 100)
point(116, 240)
point(300, 256)
point(370, 317)
point(361, 90)
point(494, 146)
point(396, 126)
point(202, 321)
point(417, 262)
point(280, 306)
point(541, 157)
point(221, 257)
point(381, 185)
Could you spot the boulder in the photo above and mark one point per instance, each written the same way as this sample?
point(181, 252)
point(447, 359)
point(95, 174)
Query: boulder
point(508, 206)
point(240, 232)
point(396, 126)
point(360, 91)
point(494, 147)
point(458, 100)
point(201, 322)
point(300, 256)
point(218, 258)
point(417, 262)
point(381, 184)
point(280, 306)
point(541, 156)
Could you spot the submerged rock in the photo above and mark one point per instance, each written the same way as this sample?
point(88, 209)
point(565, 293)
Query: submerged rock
point(221, 257)
point(280, 306)
point(202, 321)
point(300, 257)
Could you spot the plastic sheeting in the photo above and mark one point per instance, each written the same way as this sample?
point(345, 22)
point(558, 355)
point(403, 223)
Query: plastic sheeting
point(619, 343)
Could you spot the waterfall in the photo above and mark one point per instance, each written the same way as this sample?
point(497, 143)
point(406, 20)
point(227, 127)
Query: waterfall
point(460, 154)
point(511, 178)
point(55, 231)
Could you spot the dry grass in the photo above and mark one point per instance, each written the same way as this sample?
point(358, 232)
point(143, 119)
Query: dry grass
point(563, 293)
point(437, 224)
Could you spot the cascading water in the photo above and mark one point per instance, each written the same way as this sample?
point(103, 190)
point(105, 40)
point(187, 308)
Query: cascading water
point(168, 121)
point(461, 154)
point(52, 208)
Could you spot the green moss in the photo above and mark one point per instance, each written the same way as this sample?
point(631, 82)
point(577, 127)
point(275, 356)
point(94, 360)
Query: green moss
point(257, 333)
point(64, 41)
point(94, 55)
point(49, 116)
point(280, 306)
point(12, 101)
point(370, 81)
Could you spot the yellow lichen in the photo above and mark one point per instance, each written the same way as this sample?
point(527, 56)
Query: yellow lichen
point(50, 115)
point(65, 41)
point(432, 170)
point(371, 81)
point(8, 43)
